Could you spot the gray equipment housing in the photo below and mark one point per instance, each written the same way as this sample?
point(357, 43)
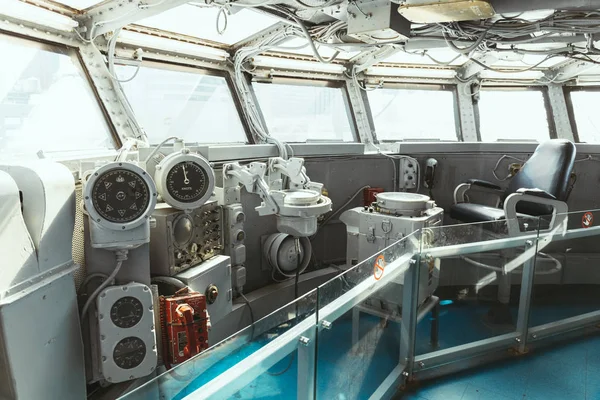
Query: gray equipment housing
point(212, 274)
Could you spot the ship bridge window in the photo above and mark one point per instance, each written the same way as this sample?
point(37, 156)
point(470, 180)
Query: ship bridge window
point(47, 103)
point(414, 113)
point(187, 103)
point(585, 114)
point(513, 114)
point(301, 113)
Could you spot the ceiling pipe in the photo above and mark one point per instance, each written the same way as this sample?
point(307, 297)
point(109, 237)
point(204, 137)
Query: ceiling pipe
point(512, 6)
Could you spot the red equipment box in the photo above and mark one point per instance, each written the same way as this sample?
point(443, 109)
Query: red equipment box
point(185, 323)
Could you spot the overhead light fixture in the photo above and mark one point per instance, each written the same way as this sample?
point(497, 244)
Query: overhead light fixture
point(284, 63)
point(160, 43)
point(40, 16)
point(524, 75)
point(411, 72)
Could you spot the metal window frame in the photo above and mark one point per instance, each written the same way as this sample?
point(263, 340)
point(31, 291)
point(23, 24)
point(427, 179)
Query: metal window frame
point(74, 54)
point(571, 109)
point(542, 89)
point(425, 87)
point(150, 62)
point(332, 84)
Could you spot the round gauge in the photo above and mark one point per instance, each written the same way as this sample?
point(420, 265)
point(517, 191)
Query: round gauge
point(127, 312)
point(185, 180)
point(129, 352)
point(183, 230)
point(120, 195)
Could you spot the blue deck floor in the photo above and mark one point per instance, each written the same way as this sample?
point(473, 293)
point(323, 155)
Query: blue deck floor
point(346, 372)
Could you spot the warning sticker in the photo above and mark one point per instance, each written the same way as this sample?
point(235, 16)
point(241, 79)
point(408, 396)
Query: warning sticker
point(588, 220)
point(379, 267)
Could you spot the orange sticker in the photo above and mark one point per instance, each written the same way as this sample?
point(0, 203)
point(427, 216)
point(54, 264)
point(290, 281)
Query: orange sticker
point(379, 267)
point(588, 220)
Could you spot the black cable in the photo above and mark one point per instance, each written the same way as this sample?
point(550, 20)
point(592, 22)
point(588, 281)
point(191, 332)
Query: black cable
point(251, 314)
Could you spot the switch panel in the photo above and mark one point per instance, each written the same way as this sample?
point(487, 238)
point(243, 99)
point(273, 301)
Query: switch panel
point(182, 240)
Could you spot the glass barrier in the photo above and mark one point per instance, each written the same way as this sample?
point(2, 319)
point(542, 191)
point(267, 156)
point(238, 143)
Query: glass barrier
point(565, 283)
point(247, 365)
point(359, 323)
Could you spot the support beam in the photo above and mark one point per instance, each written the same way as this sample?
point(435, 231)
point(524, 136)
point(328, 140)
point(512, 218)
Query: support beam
point(472, 68)
point(466, 107)
point(571, 69)
point(558, 104)
point(372, 56)
point(272, 30)
point(110, 15)
point(362, 113)
point(111, 95)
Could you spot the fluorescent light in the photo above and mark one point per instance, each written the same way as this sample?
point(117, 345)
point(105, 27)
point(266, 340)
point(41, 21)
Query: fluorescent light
point(411, 72)
point(28, 12)
point(284, 63)
point(531, 75)
point(149, 41)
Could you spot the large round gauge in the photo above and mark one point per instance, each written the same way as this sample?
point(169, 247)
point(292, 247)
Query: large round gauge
point(129, 352)
point(185, 180)
point(127, 312)
point(120, 195)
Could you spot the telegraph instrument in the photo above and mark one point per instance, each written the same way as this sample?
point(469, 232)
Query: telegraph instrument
point(185, 180)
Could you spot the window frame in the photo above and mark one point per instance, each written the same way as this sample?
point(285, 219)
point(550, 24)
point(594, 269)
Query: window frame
point(552, 134)
point(334, 84)
point(571, 109)
point(177, 67)
point(75, 55)
point(420, 86)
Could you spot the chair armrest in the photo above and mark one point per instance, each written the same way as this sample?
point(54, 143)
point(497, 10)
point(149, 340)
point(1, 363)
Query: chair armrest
point(488, 187)
point(537, 193)
point(559, 213)
point(483, 184)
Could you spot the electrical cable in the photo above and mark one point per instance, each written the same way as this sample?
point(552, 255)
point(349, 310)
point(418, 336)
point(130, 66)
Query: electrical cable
point(121, 256)
point(157, 148)
point(343, 206)
point(251, 315)
point(504, 157)
point(89, 278)
point(169, 280)
point(222, 11)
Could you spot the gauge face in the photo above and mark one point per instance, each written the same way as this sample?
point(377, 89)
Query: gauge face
point(120, 196)
point(187, 182)
point(129, 352)
point(127, 312)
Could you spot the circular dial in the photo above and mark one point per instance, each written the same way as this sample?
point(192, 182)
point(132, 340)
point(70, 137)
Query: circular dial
point(129, 352)
point(187, 182)
point(127, 312)
point(120, 196)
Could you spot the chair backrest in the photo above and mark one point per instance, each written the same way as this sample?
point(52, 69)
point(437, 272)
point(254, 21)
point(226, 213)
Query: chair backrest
point(548, 169)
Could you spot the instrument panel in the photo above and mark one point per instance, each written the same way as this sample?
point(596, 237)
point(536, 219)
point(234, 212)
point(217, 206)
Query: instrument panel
point(120, 195)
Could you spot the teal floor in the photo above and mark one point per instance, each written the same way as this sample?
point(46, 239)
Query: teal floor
point(570, 372)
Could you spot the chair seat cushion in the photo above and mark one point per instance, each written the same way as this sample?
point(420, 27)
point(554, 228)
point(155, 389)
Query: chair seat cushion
point(469, 212)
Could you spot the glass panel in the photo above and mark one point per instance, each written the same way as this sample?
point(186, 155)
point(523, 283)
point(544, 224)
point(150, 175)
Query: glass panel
point(585, 110)
point(201, 22)
point(362, 309)
point(478, 300)
point(300, 113)
point(402, 114)
point(46, 103)
point(195, 107)
point(513, 115)
point(566, 275)
point(263, 369)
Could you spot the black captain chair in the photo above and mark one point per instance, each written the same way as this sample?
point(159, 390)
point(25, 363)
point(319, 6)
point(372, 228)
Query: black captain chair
point(539, 189)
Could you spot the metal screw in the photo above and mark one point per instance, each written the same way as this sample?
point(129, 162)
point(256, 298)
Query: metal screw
point(326, 324)
point(304, 340)
point(529, 243)
point(421, 364)
point(518, 340)
point(534, 336)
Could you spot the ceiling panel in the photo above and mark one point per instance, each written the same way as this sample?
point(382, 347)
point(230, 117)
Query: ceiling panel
point(201, 22)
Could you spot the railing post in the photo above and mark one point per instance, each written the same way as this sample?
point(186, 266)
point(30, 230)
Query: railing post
point(307, 358)
point(527, 282)
point(408, 326)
